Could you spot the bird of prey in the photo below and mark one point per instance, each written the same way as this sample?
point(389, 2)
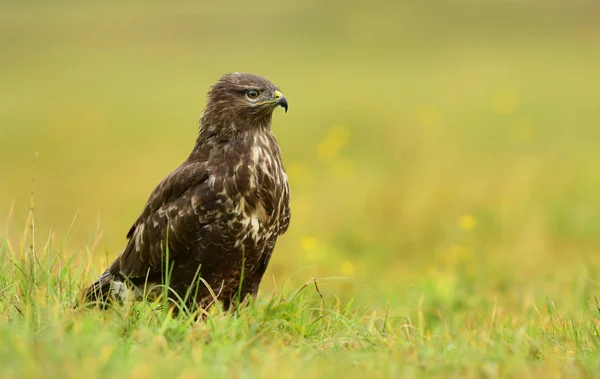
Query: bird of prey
point(214, 221)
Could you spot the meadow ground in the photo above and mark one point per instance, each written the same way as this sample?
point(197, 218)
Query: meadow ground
point(443, 163)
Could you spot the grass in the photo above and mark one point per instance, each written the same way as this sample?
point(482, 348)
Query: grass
point(442, 162)
point(454, 329)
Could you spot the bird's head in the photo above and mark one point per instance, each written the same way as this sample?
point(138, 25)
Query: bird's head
point(243, 100)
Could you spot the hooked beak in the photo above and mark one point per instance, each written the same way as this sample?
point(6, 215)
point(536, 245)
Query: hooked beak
point(280, 100)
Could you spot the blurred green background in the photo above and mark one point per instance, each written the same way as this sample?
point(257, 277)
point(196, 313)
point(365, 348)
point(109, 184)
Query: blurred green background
point(426, 141)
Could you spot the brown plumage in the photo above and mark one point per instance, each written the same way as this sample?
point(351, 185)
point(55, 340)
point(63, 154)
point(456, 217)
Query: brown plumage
point(219, 213)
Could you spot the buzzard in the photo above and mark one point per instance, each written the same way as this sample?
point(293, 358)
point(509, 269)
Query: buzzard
point(211, 225)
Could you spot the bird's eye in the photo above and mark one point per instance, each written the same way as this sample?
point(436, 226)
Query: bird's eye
point(252, 94)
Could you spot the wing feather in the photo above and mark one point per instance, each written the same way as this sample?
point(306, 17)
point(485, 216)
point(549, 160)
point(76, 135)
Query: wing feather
point(179, 211)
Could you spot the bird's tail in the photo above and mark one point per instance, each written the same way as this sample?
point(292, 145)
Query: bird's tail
point(99, 292)
point(110, 286)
